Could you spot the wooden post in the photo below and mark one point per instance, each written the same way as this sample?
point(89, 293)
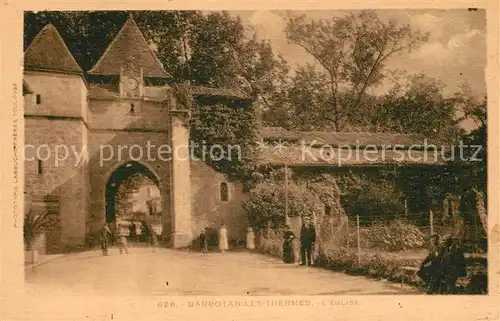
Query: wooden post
point(406, 207)
point(268, 230)
point(358, 238)
point(287, 219)
point(431, 221)
point(347, 231)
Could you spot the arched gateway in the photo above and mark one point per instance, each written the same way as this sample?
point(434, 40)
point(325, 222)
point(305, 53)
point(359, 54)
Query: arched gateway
point(109, 129)
point(119, 176)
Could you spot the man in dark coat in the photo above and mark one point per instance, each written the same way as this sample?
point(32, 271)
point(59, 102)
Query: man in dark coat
point(307, 240)
point(430, 267)
point(447, 265)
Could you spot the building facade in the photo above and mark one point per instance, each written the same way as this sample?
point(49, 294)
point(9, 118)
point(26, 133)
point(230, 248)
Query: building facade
point(83, 139)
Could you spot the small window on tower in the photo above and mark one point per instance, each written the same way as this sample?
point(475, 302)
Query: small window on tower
point(224, 192)
point(132, 108)
point(38, 99)
point(39, 167)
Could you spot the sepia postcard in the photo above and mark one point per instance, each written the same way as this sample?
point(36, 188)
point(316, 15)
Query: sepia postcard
point(249, 161)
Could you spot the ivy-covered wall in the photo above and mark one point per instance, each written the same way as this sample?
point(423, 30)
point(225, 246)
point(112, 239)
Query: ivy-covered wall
point(223, 134)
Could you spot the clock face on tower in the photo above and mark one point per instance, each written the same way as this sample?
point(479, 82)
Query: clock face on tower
point(131, 84)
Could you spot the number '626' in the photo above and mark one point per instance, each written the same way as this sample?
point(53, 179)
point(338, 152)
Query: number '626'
point(166, 304)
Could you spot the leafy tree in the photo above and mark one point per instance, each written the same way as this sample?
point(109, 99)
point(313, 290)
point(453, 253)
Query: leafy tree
point(125, 190)
point(352, 52)
point(372, 197)
point(266, 203)
point(471, 164)
point(262, 74)
point(418, 106)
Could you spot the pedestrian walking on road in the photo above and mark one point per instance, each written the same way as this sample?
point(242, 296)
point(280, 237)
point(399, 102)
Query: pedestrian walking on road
point(307, 241)
point(223, 243)
point(105, 236)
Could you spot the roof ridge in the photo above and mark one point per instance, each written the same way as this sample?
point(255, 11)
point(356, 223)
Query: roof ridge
point(342, 132)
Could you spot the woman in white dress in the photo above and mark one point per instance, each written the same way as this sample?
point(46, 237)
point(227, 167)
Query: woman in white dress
point(250, 239)
point(223, 245)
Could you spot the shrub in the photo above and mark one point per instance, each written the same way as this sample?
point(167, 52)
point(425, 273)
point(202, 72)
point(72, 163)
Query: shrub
point(376, 197)
point(373, 264)
point(35, 224)
point(397, 236)
point(272, 245)
point(266, 203)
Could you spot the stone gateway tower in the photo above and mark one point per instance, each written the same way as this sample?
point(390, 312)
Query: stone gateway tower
point(111, 128)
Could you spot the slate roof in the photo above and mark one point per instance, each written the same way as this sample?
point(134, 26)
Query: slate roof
point(101, 91)
point(129, 43)
point(221, 92)
point(297, 148)
point(319, 138)
point(48, 52)
point(303, 156)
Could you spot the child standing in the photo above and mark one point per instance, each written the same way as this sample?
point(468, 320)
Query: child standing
point(122, 241)
point(204, 240)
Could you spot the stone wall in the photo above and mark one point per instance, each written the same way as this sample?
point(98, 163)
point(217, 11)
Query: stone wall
point(117, 114)
point(208, 210)
point(60, 94)
point(66, 180)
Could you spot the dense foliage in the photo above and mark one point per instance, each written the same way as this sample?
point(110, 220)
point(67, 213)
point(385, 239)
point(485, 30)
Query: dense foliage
point(395, 236)
point(125, 191)
point(371, 195)
point(266, 203)
point(471, 163)
point(309, 194)
point(417, 105)
point(224, 137)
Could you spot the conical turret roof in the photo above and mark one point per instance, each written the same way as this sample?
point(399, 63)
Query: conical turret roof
point(129, 45)
point(48, 52)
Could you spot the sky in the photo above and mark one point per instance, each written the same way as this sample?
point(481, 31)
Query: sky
point(455, 52)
